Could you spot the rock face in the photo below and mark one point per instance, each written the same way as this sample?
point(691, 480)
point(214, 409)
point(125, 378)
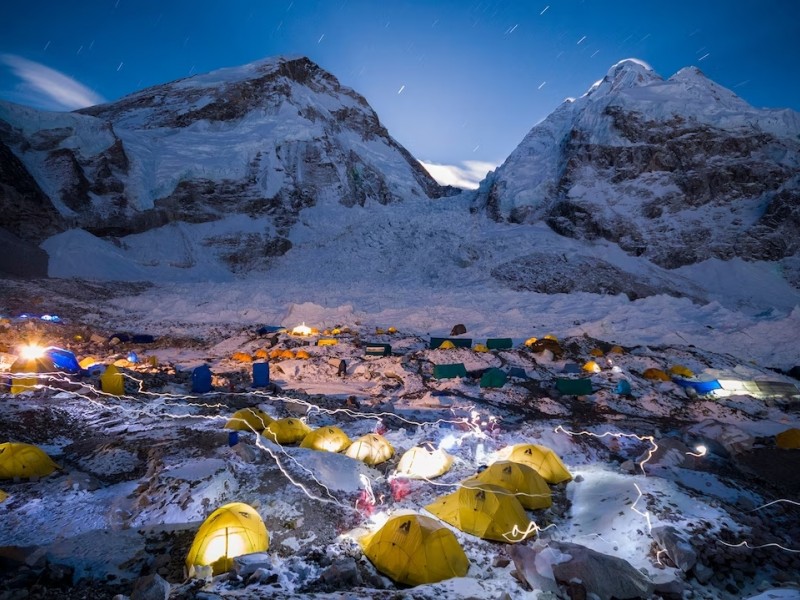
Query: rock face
point(676, 171)
point(233, 157)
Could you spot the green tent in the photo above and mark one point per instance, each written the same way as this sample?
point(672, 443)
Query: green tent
point(449, 371)
point(378, 350)
point(493, 378)
point(574, 387)
point(457, 342)
point(499, 343)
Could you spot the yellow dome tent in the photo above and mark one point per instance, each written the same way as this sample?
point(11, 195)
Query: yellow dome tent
point(484, 510)
point(286, 354)
point(531, 341)
point(230, 531)
point(24, 461)
point(87, 361)
point(420, 463)
point(542, 460)
point(789, 439)
point(616, 350)
point(372, 449)
point(262, 354)
point(596, 352)
point(112, 382)
point(480, 348)
point(525, 483)
point(681, 370)
point(446, 345)
point(302, 355)
point(414, 549)
point(591, 367)
point(3, 496)
point(327, 439)
point(249, 419)
point(286, 431)
point(656, 374)
point(275, 353)
point(551, 337)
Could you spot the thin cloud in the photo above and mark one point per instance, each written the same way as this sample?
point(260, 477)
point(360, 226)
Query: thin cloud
point(467, 175)
point(47, 88)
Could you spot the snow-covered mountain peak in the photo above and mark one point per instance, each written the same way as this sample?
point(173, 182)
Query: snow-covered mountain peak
point(627, 73)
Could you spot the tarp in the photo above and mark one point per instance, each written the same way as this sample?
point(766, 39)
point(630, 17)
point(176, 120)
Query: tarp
point(493, 378)
point(574, 387)
point(484, 510)
point(230, 531)
point(449, 371)
point(499, 343)
point(19, 460)
point(457, 342)
point(414, 550)
point(701, 387)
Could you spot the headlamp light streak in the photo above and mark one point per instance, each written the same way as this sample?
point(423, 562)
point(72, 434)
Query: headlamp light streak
point(746, 544)
point(641, 438)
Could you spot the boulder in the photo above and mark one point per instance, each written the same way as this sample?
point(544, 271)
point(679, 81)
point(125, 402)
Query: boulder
point(678, 549)
point(247, 564)
point(590, 570)
point(150, 587)
point(537, 574)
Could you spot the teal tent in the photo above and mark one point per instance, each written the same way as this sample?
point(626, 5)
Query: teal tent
point(574, 387)
point(449, 371)
point(378, 349)
point(499, 343)
point(493, 378)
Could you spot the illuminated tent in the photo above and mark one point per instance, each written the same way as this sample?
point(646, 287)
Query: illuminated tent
point(420, 463)
point(111, 381)
point(484, 510)
point(655, 374)
point(542, 459)
point(616, 350)
point(327, 439)
point(414, 549)
point(230, 531)
point(372, 449)
point(24, 461)
point(50, 360)
point(789, 439)
point(596, 352)
point(525, 483)
point(249, 419)
point(286, 431)
point(591, 367)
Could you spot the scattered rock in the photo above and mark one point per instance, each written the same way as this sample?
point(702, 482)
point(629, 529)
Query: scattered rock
point(671, 452)
point(458, 329)
point(247, 564)
point(592, 569)
point(702, 573)
point(150, 587)
point(524, 558)
point(678, 549)
point(723, 438)
point(342, 574)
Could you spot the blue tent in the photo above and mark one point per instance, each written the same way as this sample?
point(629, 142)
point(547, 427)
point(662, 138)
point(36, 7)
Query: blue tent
point(701, 387)
point(623, 387)
point(260, 374)
point(201, 379)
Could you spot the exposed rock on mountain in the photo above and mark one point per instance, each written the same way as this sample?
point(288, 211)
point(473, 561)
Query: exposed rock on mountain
point(231, 157)
point(677, 171)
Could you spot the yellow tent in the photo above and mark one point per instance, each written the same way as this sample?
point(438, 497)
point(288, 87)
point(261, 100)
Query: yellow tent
point(531, 341)
point(286, 431)
point(541, 459)
point(656, 374)
point(485, 510)
point(372, 448)
point(249, 419)
point(789, 439)
point(420, 463)
point(550, 336)
point(616, 350)
point(302, 355)
point(526, 484)
point(446, 345)
point(414, 549)
point(480, 348)
point(88, 361)
point(112, 382)
point(327, 342)
point(591, 367)
point(681, 370)
point(40, 364)
point(287, 354)
point(3, 496)
point(328, 439)
point(596, 352)
point(230, 531)
point(276, 353)
point(24, 461)
point(391, 330)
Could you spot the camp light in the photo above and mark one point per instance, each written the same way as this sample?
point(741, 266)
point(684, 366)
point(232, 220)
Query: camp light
point(226, 543)
point(31, 351)
point(302, 329)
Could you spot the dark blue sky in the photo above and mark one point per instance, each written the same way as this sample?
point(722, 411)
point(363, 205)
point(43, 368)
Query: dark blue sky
point(475, 75)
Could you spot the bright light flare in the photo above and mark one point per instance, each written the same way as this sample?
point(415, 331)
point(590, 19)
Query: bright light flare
point(31, 352)
point(699, 450)
point(301, 329)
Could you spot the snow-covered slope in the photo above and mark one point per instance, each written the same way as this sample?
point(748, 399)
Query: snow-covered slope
point(678, 171)
point(240, 152)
